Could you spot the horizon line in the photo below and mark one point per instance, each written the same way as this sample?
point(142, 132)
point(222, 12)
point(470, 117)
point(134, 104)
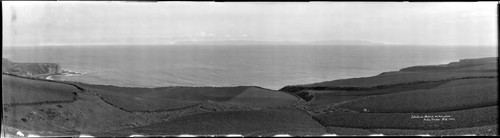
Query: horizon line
point(284, 44)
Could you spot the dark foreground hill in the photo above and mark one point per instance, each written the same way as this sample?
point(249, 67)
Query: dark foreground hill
point(246, 123)
point(455, 99)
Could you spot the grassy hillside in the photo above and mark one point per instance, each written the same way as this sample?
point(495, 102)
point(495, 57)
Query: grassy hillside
point(53, 108)
point(489, 130)
point(431, 100)
point(262, 122)
point(157, 99)
point(26, 91)
point(258, 97)
point(201, 94)
point(462, 119)
point(462, 65)
point(137, 102)
point(469, 82)
point(463, 68)
point(400, 77)
point(171, 98)
point(326, 97)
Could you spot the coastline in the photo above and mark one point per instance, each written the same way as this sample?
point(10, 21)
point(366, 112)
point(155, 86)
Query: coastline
point(331, 105)
point(283, 88)
point(48, 76)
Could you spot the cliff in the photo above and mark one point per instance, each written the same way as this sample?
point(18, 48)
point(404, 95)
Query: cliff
point(463, 63)
point(6, 64)
point(463, 69)
point(30, 69)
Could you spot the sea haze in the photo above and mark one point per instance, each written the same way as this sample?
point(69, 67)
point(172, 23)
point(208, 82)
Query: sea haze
point(266, 66)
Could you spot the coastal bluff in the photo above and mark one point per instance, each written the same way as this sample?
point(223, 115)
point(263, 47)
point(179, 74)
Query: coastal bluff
point(30, 69)
point(463, 69)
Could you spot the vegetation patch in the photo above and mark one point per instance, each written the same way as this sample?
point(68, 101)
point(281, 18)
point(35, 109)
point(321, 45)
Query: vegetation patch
point(19, 91)
point(234, 122)
point(258, 97)
point(490, 130)
point(348, 131)
point(171, 98)
point(432, 100)
point(421, 121)
point(326, 97)
point(470, 82)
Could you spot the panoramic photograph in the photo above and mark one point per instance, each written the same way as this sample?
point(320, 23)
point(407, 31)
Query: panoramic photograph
point(142, 69)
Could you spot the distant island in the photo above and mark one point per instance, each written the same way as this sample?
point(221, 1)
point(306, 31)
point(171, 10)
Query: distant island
point(254, 42)
point(459, 98)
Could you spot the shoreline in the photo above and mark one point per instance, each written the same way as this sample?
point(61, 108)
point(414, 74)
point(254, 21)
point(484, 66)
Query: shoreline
point(48, 75)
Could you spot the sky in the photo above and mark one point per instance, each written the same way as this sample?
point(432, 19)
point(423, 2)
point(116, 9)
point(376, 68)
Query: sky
point(131, 23)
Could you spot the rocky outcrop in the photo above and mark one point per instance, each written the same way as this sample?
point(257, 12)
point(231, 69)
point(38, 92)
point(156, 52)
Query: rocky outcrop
point(30, 69)
point(6, 64)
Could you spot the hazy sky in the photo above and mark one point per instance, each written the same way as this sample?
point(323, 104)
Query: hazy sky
point(89, 23)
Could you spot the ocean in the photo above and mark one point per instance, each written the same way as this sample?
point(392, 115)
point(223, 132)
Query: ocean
point(270, 67)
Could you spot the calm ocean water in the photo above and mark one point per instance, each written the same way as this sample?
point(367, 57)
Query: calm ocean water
point(266, 66)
